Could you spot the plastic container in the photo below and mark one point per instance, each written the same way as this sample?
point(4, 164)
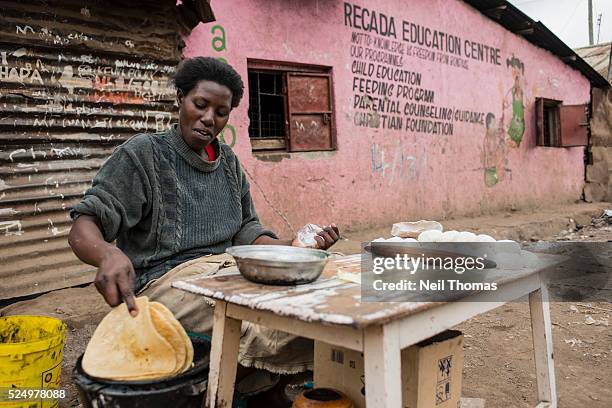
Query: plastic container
point(185, 390)
point(31, 356)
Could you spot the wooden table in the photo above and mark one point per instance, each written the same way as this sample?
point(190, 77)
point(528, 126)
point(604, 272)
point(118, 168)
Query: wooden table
point(330, 310)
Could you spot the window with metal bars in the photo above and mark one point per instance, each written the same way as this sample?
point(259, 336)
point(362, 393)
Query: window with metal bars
point(290, 107)
point(266, 105)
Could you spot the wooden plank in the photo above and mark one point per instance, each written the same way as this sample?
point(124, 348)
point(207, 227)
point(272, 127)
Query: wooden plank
point(325, 300)
point(543, 346)
point(223, 358)
point(421, 326)
point(268, 143)
point(332, 334)
point(383, 370)
point(328, 300)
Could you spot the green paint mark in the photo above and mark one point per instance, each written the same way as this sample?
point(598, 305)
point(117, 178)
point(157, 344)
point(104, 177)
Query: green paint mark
point(491, 177)
point(233, 131)
point(218, 42)
point(495, 161)
point(517, 123)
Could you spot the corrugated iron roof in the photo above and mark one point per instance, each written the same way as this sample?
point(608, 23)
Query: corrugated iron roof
point(598, 56)
point(192, 12)
point(513, 19)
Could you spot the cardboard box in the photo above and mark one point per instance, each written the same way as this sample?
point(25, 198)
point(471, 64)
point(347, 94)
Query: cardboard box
point(431, 371)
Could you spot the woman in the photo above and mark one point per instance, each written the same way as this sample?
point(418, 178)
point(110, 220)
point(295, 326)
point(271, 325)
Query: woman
point(170, 197)
point(517, 124)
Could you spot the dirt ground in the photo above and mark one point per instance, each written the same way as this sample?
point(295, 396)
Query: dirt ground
point(498, 364)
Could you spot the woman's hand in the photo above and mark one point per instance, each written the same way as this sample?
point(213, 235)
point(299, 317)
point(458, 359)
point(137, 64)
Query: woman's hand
point(115, 277)
point(327, 237)
point(324, 238)
point(115, 280)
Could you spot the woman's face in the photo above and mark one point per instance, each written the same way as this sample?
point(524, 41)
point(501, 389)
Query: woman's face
point(516, 73)
point(203, 113)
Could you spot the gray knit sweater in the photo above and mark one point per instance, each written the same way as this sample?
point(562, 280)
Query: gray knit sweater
point(165, 205)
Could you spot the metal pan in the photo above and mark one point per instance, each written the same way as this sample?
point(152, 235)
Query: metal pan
point(278, 264)
point(428, 249)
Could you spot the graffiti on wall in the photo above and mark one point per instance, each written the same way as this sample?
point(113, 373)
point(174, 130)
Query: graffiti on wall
point(68, 85)
point(219, 44)
point(495, 152)
point(397, 164)
point(115, 81)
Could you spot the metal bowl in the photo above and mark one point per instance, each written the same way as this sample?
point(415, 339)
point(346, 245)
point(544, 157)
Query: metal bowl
point(278, 264)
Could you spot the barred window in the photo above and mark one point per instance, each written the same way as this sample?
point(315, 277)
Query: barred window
point(290, 107)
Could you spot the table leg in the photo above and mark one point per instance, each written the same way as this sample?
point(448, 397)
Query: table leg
point(223, 358)
point(383, 371)
point(541, 330)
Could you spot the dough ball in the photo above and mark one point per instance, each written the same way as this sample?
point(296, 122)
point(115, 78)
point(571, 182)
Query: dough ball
point(449, 236)
point(430, 236)
point(466, 236)
point(485, 238)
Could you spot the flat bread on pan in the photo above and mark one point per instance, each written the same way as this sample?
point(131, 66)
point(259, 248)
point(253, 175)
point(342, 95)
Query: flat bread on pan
point(129, 348)
point(185, 342)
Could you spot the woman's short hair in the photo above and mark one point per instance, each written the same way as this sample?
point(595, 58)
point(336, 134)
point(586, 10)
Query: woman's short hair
point(193, 70)
point(516, 63)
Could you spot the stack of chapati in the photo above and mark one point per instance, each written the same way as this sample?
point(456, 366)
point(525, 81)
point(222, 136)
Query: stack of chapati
point(149, 346)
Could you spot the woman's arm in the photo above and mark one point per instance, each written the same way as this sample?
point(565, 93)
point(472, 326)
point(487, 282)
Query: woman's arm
point(119, 196)
point(115, 277)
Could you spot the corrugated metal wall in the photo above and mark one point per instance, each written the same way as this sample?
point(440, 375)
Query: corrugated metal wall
point(77, 78)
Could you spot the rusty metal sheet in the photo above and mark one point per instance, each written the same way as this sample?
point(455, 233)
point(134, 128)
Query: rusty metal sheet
point(574, 125)
point(77, 78)
point(310, 111)
point(598, 56)
point(309, 93)
point(191, 12)
point(310, 132)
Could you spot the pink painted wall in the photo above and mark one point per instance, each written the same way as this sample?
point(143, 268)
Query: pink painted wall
point(421, 175)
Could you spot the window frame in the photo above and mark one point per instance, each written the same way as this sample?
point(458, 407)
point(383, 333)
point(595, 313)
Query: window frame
point(268, 143)
point(283, 145)
point(567, 121)
point(543, 105)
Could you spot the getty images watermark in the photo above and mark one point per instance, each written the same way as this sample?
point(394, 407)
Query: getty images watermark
point(424, 272)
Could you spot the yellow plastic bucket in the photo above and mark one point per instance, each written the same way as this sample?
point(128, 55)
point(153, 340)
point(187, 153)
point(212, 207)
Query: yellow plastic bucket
point(30, 358)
